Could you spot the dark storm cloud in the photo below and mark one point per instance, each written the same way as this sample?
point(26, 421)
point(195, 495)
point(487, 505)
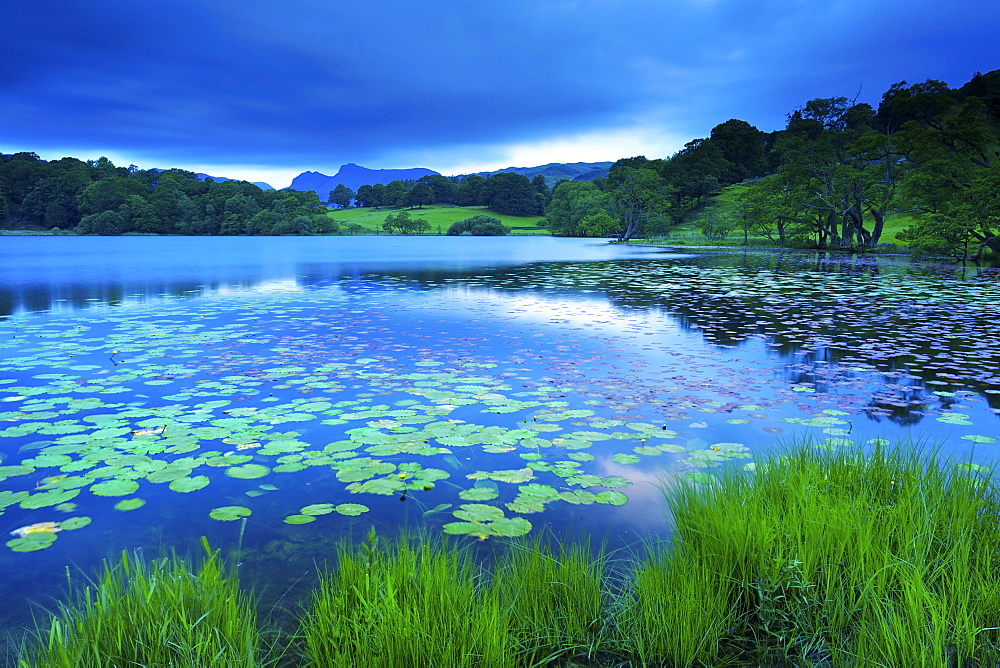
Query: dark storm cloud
point(295, 83)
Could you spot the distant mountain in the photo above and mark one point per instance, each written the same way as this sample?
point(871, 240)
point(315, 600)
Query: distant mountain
point(352, 176)
point(556, 171)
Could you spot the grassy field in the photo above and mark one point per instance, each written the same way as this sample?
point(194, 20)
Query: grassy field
point(439, 217)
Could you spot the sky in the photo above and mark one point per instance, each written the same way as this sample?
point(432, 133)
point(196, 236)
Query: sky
point(263, 90)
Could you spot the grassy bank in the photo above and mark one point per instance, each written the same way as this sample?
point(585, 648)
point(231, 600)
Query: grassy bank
point(886, 558)
point(439, 217)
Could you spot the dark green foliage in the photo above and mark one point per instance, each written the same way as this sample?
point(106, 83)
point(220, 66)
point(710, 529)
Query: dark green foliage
point(512, 193)
point(98, 198)
point(342, 196)
point(420, 195)
point(571, 203)
point(479, 226)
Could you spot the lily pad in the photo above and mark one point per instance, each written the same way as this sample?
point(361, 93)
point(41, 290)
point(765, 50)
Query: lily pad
point(247, 471)
point(130, 504)
point(351, 509)
point(192, 484)
point(114, 488)
point(229, 513)
point(32, 542)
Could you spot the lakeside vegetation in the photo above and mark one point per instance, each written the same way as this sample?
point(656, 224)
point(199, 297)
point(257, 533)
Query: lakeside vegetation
point(920, 169)
point(812, 557)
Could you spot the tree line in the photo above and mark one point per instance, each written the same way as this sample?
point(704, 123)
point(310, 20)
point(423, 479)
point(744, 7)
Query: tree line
point(96, 197)
point(506, 192)
point(830, 178)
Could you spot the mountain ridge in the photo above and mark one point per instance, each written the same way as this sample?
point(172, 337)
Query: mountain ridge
point(353, 175)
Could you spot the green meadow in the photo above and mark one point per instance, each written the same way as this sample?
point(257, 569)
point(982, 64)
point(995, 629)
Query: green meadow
point(810, 557)
point(438, 216)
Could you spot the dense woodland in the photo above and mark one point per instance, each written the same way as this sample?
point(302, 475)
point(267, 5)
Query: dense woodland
point(830, 178)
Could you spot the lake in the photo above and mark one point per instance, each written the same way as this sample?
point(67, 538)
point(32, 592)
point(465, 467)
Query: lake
point(279, 395)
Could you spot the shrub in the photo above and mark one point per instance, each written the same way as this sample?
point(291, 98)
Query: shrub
point(479, 226)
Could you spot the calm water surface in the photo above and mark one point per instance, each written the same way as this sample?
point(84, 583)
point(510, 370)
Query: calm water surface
point(156, 390)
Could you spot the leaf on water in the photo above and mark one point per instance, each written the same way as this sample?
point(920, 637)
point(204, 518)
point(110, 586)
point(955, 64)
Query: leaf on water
point(622, 458)
point(511, 476)
point(478, 494)
point(578, 497)
point(299, 519)
point(441, 507)
point(74, 523)
point(611, 498)
point(248, 471)
point(318, 509)
point(192, 484)
point(114, 488)
point(45, 499)
point(700, 477)
point(130, 504)
point(229, 513)
point(168, 474)
point(353, 509)
point(478, 512)
point(979, 439)
point(32, 542)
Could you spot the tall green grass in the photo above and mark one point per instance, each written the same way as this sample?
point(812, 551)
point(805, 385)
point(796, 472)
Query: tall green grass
point(882, 558)
point(405, 605)
point(554, 599)
point(889, 557)
point(158, 613)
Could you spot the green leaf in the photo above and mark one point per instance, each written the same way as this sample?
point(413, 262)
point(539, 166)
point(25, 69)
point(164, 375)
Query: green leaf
point(192, 484)
point(478, 494)
point(299, 519)
point(611, 498)
point(247, 471)
point(229, 513)
point(351, 509)
point(478, 512)
point(74, 523)
point(32, 542)
point(318, 509)
point(114, 488)
point(130, 504)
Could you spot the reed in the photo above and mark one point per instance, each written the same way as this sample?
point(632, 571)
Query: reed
point(405, 604)
point(554, 599)
point(888, 557)
point(157, 613)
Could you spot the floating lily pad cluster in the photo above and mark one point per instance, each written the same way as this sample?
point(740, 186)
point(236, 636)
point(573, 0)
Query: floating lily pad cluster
point(395, 392)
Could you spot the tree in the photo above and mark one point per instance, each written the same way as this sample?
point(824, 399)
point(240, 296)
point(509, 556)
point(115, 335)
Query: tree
point(105, 223)
point(510, 192)
point(967, 225)
point(342, 196)
point(571, 203)
point(472, 191)
point(404, 223)
point(419, 195)
point(743, 147)
point(445, 189)
point(638, 199)
point(394, 194)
